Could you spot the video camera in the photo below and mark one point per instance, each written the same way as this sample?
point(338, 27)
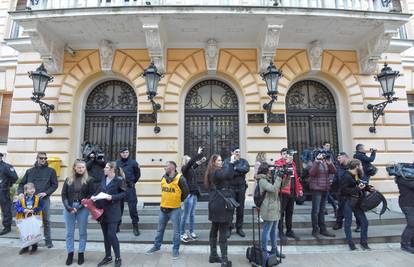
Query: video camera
point(89, 149)
point(323, 153)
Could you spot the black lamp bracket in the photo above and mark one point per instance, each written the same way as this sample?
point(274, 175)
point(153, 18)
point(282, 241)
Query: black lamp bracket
point(155, 108)
point(378, 110)
point(268, 108)
point(45, 112)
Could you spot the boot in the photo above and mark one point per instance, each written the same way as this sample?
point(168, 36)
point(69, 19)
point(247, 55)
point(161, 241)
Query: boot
point(5, 230)
point(34, 249)
point(224, 260)
point(81, 258)
point(136, 230)
point(69, 259)
point(214, 257)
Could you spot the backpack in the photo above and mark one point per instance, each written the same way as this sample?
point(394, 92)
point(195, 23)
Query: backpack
point(258, 196)
point(373, 199)
point(371, 170)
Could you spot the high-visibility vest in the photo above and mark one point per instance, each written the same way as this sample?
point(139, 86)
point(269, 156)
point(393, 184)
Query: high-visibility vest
point(171, 193)
point(24, 206)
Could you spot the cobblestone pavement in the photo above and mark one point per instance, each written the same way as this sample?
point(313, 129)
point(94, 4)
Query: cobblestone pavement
point(382, 255)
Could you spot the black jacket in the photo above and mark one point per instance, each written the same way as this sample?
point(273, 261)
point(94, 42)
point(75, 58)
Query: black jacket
point(220, 180)
point(348, 186)
point(8, 176)
point(406, 187)
point(112, 209)
point(43, 177)
point(96, 169)
point(189, 173)
point(131, 170)
point(365, 160)
point(340, 172)
point(87, 190)
point(241, 168)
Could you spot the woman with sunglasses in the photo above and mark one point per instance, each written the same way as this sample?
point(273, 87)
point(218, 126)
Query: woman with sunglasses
point(114, 186)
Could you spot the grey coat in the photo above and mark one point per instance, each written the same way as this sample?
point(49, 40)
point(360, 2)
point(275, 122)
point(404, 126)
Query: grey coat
point(270, 208)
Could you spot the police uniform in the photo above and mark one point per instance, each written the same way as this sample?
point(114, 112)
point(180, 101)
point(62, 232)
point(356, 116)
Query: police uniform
point(8, 177)
point(132, 174)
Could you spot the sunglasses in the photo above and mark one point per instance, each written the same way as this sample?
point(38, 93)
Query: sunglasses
point(43, 158)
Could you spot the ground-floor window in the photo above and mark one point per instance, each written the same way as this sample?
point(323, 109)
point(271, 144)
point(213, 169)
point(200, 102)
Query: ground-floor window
point(411, 110)
point(5, 104)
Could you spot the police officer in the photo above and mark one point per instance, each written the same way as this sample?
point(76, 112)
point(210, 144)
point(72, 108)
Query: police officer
point(8, 177)
point(132, 175)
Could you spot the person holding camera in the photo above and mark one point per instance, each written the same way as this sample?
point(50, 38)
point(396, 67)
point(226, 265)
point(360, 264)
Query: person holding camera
point(188, 170)
point(351, 190)
point(319, 183)
point(95, 164)
point(287, 168)
point(238, 185)
point(406, 202)
point(217, 179)
point(368, 168)
point(132, 174)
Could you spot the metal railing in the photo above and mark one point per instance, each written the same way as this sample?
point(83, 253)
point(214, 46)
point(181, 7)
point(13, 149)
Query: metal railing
point(366, 5)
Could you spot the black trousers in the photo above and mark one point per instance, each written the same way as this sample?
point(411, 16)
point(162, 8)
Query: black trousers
point(131, 198)
point(6, 205)
point(287, 204)
point(110, 239)
point(221, 229)
point(240, 196)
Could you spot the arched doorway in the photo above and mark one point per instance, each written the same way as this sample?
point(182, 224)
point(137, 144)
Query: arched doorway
point(311, 117)
point(111, 118)
point(211, 120)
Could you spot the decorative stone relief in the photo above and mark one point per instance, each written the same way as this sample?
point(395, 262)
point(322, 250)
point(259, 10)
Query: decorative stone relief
point(106, 53)
point(371, 52)
point(51, 50)
point(315, 54)
point(211, 54)
point(155, 42)
point(270, 42)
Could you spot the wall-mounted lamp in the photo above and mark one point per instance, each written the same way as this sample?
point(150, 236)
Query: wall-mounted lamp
point(40, 79)
point(387, 79)
point(271, 77)
point(152, 78)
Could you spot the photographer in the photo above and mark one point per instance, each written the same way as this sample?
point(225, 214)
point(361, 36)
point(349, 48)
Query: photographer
point(95, 164)
point(239, 186)
point(369, 169)
point(319, 183)
point(287, 169)
point(351, 189)
point(406, 202)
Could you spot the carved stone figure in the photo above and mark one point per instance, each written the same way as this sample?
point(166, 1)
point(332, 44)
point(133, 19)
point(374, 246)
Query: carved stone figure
point(106, 52)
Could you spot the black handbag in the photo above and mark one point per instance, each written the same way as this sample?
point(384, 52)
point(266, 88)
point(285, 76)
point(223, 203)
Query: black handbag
point(373, 199)
point(230, 201)
point(371, 170)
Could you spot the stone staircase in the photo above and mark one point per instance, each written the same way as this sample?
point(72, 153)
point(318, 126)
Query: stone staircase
point(386, 229)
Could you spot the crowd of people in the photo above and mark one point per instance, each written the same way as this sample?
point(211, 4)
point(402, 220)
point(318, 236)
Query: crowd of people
point(339, 180)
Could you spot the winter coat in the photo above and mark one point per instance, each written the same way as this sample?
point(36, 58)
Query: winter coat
point(8, 175)
point(43, 177)
point(131, 169)
point(349, 186)
point(189, 173)
point(241, 168)
point(365, 160)
point(319, 173)
point(340, 172)
point(270, 208)
point(96, 169)
point(406, 187)
point(220, 180)
point(112, 208)
point(298, 186)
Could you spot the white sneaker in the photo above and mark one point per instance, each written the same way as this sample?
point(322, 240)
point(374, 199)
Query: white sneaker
point(193, 236)
point(260, 219)
point(185, 238)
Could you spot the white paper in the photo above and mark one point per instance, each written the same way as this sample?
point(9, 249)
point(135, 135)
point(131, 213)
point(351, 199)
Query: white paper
point(99, 196)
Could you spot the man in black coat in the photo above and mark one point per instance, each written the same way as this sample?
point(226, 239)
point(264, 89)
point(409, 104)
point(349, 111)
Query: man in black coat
point(406, 202)
point(238, 185)
point(132, 174)
point(366, 161)
point(45, 181)
point(95, 166)
point(8, 177)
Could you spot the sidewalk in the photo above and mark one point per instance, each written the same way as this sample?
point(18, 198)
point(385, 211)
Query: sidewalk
point(382, 255)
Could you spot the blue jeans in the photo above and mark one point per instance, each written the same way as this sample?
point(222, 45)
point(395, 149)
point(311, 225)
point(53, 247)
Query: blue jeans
point(360, 216)
point(318, 211)
point(189, 208)
point(175, 216)
point(269, 229)
point(81, 217)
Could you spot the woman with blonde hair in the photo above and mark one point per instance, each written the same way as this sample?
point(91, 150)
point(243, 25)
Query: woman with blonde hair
point(76, 187)
point(260, 158)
